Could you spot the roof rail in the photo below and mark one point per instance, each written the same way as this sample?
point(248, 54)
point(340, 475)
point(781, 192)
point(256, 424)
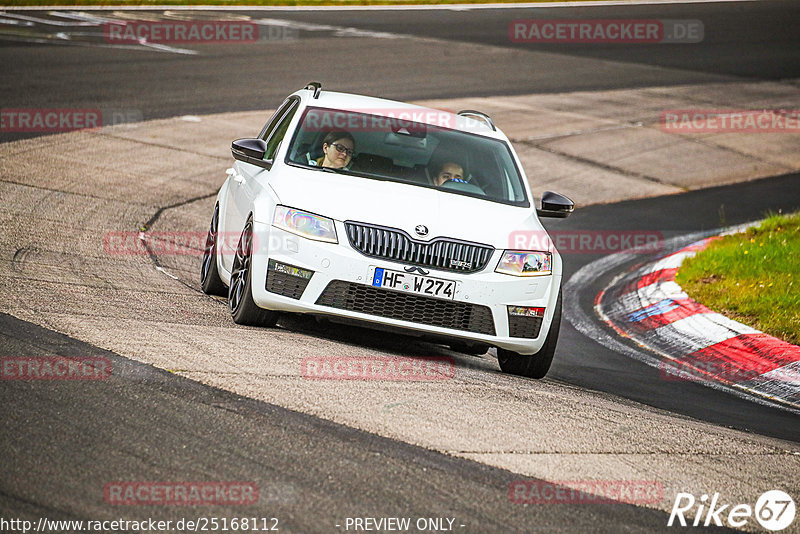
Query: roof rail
point(478, 115)
point(314, 86)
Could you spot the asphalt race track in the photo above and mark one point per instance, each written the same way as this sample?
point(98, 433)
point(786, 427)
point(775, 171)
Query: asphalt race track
point(751, 40)
point(60, 443)
point(311, 474)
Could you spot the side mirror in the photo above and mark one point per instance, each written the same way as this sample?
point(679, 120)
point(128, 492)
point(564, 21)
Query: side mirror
point(555, 205)
point(251, 151)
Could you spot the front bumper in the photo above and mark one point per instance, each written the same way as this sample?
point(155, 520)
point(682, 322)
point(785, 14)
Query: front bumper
point(341, 286)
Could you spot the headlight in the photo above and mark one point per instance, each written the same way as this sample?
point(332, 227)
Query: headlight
point(305, 224)
point(525, 263)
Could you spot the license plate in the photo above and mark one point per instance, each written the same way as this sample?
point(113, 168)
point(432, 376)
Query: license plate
point(414, 283)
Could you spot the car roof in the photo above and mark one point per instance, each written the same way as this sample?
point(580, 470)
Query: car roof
point(393, 108)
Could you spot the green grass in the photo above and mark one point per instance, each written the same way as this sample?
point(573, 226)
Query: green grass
point(753, 277)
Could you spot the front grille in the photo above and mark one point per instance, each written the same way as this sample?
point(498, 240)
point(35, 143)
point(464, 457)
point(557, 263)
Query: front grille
point(396, 245)
point(527, 327)
point(406, 307)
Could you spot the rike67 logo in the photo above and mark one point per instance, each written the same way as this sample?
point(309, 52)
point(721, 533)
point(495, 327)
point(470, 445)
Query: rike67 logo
point(774, 510)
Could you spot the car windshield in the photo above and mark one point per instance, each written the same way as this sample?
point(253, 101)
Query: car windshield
point(416, 153)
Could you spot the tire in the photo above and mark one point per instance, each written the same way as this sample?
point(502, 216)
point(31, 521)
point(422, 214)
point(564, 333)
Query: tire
point(534, 365)
point(209, 275)
point(240, 293)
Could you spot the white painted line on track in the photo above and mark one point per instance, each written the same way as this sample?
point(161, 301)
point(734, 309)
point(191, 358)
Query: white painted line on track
point(15, 22)
point(673, 261)
point(85, 44)
point(161, 269)
point(707, 326)
point(167, 48)
point(791, 370)
point(655, 293)
point(691, 334)
point(337, 31)
point(86, 17)
point(48, 22)
point(82, 21)
point(781, 382)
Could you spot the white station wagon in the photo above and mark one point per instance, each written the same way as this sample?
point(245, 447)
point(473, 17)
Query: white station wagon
point(393, 216)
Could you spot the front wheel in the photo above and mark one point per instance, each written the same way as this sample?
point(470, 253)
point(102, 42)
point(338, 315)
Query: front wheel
point(240, 293)
point(534, 365)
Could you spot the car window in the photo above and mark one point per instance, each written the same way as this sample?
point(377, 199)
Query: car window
point(277, 135)
point(390, 148)
point(269, 127)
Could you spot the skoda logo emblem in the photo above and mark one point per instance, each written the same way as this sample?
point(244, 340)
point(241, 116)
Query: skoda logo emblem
point(421, 230)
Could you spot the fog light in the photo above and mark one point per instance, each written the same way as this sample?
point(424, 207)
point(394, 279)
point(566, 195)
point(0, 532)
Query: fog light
point(287, 280)
point(525, 321)
point(291, 270)
point(525, 311)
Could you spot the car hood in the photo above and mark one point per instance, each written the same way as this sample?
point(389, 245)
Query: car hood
point(403, 206)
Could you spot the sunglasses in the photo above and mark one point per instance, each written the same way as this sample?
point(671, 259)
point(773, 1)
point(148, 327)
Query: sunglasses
point(343, 149)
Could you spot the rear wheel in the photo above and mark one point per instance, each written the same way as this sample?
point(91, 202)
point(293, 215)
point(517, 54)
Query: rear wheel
point(240, 293)
point(534, 365)
point(209, 275)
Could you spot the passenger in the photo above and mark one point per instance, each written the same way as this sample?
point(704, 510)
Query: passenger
point(338, 149)
point(449, 172)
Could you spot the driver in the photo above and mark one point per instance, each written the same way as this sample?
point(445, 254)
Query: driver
point(338, 149)
point(449, 171)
